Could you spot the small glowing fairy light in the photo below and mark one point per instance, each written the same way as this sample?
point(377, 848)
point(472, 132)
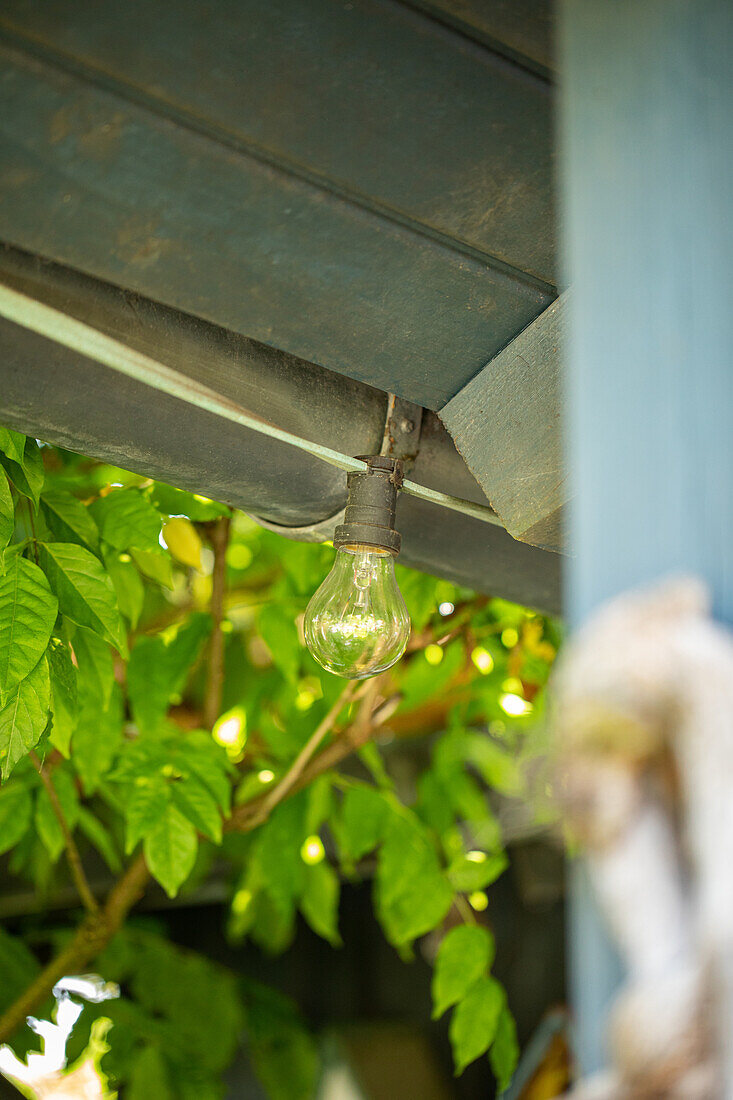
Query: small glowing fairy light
point(514, 705)
point(476, 856)
point(446, 608)
point(265, 776)
point(478, 901)
point(482, 659)
point(312, 851)
point(230, 731)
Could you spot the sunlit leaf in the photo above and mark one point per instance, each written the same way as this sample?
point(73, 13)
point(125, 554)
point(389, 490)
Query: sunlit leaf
point(170, 850)
point(7, 512)
point(363, 820)
point(465, 955)
point(280, 635)
point(95, 665)
point(412, 894)
point(467, 875)
point(127, 520)
point(84, 590)
point(64, 700)
point(320, 900)
point(504, 1053)
point(27, 614)
point(183, 541)
point(24, 717)
point(26, 473)
point(68, 519)
point(145, 805)
point(155, 564)
point(127, 583)
point(97, 737)
point(12, 444)
point(159, 667)
point(474, 1022)
point(196, 802)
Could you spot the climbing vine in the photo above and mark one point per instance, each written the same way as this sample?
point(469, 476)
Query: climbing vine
point(158, 711)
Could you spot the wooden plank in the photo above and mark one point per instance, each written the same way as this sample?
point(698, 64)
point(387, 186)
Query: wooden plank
point(95, 182)
point(368, 97)
point(524, 29)
point(506, 422)
point(64, 398)
point(647, 129)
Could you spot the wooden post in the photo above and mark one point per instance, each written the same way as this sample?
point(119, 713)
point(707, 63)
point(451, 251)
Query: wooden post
point(647, 138)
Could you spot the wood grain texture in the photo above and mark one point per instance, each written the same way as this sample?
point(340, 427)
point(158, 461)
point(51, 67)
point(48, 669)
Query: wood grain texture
point(368, 97)
point(507, 425)
point(95, 182)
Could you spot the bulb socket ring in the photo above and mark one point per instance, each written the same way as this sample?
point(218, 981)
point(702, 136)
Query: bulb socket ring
point(369, 515)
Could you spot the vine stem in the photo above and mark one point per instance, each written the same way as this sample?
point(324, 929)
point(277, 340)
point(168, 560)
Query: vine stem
point(72, 852)
point(296, 769)
point(219, 536)
point(98, 928)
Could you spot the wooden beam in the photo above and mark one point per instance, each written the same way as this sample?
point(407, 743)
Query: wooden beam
point(506, 422)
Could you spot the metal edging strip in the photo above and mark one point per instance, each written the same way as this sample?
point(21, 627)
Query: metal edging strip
point(54, 325)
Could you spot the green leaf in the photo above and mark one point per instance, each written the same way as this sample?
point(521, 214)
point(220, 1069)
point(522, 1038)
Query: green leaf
point(98, 835)
point(47, 823)
point(467, 875)
point(170, 850)
point(7, 512)
point(504, 1053)
point(474, 1022)
point(27, 613)
point(97, 737)
point(16, 808)
point(127, 584)
point(283, 1053)
point(364, 817)
point(155, 564)
point(85, 592)
point(149, 1077)
point(24, 717)
point(465, 954)
point(497, 767)
point(96, 670)
point(18, 968)
point(280, 635)
point(68, 519)
point(128, 521)
point(64, 704)
point(197, 803)
point(159, 667)
point(276, 851)
point(12, 444)
point(319, 903)
point(320, 803)
point(177, 502)
point(199, 755)
point(145, 805)
point(26, 473)
point(412, 894)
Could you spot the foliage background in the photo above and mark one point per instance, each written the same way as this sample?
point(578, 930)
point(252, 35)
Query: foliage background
point(162, 722)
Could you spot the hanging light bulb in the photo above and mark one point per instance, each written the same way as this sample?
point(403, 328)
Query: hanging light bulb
point(356, 624)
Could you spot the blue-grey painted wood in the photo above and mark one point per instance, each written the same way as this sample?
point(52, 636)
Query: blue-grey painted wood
point(369, 97)
point(506, 422)
point(647, 128)
point(98, 183)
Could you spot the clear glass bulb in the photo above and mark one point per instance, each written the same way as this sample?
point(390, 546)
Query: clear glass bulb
point(357, 624)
